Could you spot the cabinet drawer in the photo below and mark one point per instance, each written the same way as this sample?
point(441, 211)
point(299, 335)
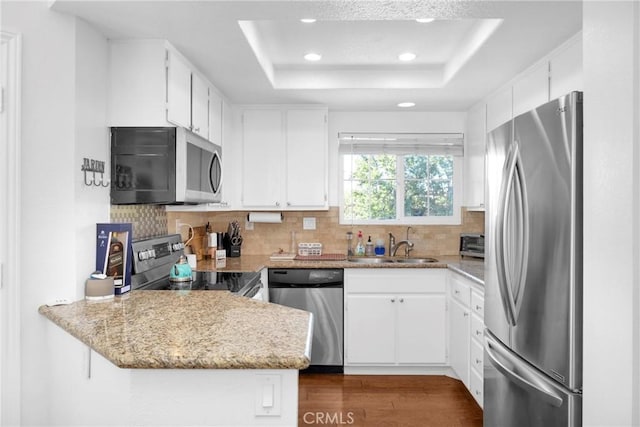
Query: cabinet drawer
point(477, 356)
point(460, 290)
point(476, 387)
point(477, 303)
point(395, 280)
point(477, 328)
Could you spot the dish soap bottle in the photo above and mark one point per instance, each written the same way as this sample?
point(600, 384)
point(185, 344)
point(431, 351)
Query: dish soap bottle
point(360, 245)
point(369, 249)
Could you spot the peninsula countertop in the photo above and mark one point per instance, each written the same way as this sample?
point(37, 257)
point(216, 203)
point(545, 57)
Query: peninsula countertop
point(192, 329)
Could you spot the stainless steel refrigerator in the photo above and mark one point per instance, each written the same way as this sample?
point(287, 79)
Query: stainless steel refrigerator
point(533, 261)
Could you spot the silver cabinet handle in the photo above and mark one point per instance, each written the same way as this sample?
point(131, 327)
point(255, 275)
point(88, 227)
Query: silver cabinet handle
point(393, 300)
point(401, 299)
point(277, 203)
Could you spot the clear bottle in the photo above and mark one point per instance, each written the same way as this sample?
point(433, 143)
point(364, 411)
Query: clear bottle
point(368, 251)
point(349, 242)
point(360, 245)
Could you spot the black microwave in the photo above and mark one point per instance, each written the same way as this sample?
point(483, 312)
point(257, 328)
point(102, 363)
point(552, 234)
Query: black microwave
point(163, 165)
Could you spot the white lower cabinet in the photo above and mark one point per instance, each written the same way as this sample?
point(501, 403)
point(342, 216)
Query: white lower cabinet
point(466, 329)
point(395, 317)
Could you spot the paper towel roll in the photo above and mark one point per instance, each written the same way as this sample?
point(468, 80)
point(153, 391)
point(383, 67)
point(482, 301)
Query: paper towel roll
point(270, 217)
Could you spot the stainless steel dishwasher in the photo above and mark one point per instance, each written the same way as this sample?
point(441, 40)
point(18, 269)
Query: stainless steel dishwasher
point(319, 291)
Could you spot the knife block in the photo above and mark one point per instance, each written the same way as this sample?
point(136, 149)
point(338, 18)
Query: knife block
point(233, 251)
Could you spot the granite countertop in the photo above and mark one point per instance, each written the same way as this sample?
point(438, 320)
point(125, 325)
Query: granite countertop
point(470, 267)
point(193, 329)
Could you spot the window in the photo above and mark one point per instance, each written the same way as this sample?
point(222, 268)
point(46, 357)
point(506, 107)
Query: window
point(400, 179)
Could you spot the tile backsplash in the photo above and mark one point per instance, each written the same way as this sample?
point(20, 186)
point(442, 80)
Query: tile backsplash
point(264, 239)
point(146, 220)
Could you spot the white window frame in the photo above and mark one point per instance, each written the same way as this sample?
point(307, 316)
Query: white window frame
point(455, 219)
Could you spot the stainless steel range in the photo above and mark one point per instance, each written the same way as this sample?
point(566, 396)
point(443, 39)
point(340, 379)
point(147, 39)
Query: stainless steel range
point(153, 259)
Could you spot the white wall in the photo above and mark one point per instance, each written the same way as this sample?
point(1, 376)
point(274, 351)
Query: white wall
point(394, 121)
point(611, 46)
point(61, 112)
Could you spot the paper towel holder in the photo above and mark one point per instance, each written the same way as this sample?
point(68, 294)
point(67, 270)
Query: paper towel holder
point(265, 217)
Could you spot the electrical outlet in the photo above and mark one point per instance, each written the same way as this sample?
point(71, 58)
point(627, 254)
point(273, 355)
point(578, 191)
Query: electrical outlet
point(308, 223)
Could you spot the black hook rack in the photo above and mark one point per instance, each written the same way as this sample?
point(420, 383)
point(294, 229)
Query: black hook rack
point(93, 166)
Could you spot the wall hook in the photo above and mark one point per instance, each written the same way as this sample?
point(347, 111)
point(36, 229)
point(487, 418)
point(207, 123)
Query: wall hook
point(94, 166)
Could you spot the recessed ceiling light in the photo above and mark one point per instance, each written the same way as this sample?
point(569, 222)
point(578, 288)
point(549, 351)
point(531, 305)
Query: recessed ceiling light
point(313, 57)
point(407, 56)
point(406, 104)
point(308, 20)
point(425, 20)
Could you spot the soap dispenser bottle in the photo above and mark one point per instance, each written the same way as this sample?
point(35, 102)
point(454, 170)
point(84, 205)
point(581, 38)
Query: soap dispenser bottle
point(369, 248)
point(360, 245)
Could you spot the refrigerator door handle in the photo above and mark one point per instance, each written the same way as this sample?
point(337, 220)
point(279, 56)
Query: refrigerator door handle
point(518, 372)
point(505, 190)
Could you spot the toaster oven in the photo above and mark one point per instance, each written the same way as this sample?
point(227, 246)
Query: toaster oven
point(472, 244)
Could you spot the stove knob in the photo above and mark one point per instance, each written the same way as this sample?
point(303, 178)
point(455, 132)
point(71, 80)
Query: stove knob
point(177, 246)
point(151, 253)
point(143, 255)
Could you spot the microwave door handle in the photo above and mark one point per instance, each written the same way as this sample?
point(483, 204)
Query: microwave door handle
point(216, 159)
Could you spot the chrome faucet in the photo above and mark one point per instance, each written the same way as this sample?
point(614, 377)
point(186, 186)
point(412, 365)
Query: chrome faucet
point(393, 247)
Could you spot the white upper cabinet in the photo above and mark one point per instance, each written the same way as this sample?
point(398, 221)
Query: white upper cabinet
point(531, 89)
point(262, 159)
point(178, 89)
point(199, 105)
point(152, 84)
point(566, 69)
point(215, 117)
point(284, 158)
point(474, 150)
point(306, 152)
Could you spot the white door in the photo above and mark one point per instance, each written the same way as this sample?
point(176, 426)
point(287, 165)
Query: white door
point(9, 230)
point(421, 328)
point(371, 326)
point(262, 159)
point(306, 155)
point(460, 327)
point(178, 91)
point(200, 106)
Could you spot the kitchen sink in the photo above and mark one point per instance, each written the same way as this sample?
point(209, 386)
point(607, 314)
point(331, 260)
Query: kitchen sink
point(416, 260)
point(392, 260)
point(370, 260)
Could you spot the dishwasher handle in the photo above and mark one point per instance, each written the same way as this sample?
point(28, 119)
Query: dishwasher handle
point(306, 285)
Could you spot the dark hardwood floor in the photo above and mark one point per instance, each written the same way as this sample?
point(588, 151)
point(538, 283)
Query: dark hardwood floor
point(385, 400)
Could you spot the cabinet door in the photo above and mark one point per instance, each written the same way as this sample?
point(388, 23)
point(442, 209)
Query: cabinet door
point(178, 90)
point(215, 117)
point(475, 143)
point(421, 329)
point(306, 151)
point(459, 330)
point(199, 106)
point(262, 159)
point(370, 335)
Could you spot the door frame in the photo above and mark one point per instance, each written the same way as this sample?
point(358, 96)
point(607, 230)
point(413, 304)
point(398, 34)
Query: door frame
point(10, 343)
